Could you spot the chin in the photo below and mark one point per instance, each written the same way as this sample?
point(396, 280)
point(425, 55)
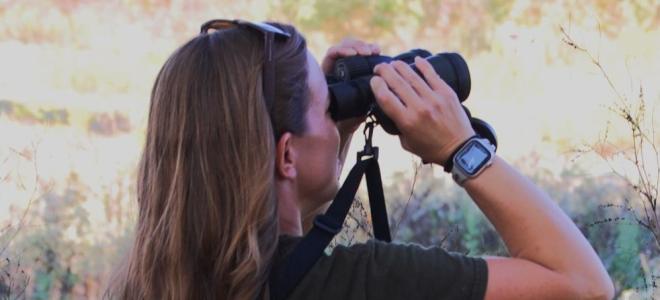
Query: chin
point(334, 187)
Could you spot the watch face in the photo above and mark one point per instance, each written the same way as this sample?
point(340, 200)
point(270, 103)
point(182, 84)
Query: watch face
point(473, 157)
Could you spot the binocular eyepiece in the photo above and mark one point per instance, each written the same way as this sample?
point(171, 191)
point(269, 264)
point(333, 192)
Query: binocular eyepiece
point(351, 95)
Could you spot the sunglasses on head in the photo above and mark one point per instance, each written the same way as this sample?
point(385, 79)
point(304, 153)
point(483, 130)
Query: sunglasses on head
point(270, 33)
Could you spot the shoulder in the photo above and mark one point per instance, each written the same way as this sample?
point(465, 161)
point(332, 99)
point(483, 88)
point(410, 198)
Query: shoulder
point(376, 270)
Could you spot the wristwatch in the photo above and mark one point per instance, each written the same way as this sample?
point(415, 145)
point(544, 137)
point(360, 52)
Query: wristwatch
point(475, 155)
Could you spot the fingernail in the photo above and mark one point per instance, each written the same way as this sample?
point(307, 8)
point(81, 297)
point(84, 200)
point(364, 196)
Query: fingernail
point(373, 82)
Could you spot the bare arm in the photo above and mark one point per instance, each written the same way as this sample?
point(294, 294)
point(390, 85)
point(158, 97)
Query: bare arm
point(551, 259)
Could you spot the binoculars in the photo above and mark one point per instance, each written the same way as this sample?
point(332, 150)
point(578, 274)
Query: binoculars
point(351, 95)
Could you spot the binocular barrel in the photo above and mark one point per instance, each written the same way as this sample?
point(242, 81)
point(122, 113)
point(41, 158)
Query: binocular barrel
point(357, 66)
point(354, 98)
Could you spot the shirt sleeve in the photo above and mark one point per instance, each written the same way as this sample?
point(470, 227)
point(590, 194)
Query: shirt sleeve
point(379, 270)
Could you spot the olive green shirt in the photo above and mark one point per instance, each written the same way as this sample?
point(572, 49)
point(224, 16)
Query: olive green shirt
point(379, 270)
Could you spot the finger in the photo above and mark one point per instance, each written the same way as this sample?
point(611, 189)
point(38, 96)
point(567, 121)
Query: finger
point(375, 49)
point(388, 102)
point(418, 84)
point(348, 42)
point(347, 47)
point(329, 59)
point(343, 52)
point(361, 47)
point(397, 84)
point(436, 83)
point(351, 43)
point(358, 46)
point(333, 54)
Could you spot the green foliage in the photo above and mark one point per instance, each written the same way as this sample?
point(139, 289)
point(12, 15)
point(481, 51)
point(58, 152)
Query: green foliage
point(13, 279)
point(342, 18)
point(463, 25)
point(59, 246)
point(437, 213)
point(625, 269)
point(43, 284)
point(109, 123)
point(6, 107)
point(645, 15)
point(440, 214)
point(17, 111)
point(22, 113)
point(54, 116)
point(499, 9)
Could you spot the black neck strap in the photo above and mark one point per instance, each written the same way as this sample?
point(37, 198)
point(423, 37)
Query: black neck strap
point(286, 277)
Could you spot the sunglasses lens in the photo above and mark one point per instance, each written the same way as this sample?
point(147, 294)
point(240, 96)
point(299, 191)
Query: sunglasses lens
point(265, 27)
point(259, 26)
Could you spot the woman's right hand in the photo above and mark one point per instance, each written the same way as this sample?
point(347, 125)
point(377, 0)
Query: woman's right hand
point(537, 233)
point(428, 114)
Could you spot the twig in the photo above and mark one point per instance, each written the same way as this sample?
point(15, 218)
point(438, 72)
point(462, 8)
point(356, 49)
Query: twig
point(21, 222)
point(640, 142)
point(405, 208)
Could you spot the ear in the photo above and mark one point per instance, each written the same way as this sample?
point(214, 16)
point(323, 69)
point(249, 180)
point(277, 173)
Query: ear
point(285, 157)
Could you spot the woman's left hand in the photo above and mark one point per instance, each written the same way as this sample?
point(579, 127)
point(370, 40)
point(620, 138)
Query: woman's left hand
point(348, 47)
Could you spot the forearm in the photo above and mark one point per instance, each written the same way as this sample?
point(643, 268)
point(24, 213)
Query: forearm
point(533, 227)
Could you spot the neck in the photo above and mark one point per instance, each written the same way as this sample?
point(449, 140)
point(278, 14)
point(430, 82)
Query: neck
point(288, 212)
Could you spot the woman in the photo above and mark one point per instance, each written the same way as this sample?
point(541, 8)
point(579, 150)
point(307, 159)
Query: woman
point(241, 147)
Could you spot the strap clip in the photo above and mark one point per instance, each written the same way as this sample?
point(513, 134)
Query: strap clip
point(369, 149)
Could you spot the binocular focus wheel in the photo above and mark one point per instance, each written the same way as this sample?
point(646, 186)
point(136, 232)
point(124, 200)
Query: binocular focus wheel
point(484, 130)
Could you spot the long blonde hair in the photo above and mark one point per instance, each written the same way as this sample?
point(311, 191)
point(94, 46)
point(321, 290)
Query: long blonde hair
point(207, 225)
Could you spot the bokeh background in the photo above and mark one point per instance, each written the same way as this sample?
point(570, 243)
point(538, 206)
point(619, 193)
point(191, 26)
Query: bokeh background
point(571, 87)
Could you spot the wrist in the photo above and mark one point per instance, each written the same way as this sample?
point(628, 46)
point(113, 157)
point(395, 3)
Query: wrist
point(448, 163)
point(471, 159)
point(485, 176)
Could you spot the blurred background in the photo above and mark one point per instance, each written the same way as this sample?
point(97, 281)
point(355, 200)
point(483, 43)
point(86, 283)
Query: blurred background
point(571, 87)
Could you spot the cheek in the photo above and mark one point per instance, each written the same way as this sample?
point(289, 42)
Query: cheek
point(332, 153)
point(328, 148)
point(326, 152)
point(334, 134)
point(321, 153)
